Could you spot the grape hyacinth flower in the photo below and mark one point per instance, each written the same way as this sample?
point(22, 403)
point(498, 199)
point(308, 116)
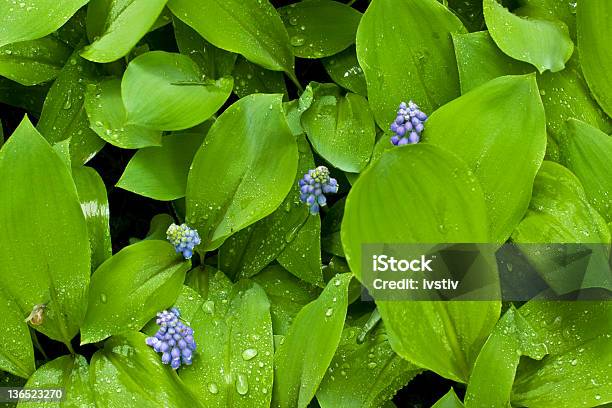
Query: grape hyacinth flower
point(174, 339)
point(183, 238)
point(408, 124)
point(314, 185)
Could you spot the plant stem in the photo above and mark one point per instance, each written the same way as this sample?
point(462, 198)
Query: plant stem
point(37, 343)
point(370, 324)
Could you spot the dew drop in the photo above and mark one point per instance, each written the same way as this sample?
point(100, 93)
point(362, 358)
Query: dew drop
point(329, 312)
point(242, 384)
point(102, 298)
point(248, 354)
point(212, 387)
point(297, 41)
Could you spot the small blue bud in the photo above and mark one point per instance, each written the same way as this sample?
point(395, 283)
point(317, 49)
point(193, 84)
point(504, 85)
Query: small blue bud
point(314, 184)
point(178, 337)
point(183, 238)
point(408, 125)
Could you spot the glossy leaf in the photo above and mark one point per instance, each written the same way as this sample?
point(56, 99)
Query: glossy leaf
point(33, 62)
point(233, 366)
point(35, 19)
point(449, 400)
point(47, 259)
point(177, 97)
point(331, 240)
point(302, 257)
point(344, 69)
point(16, 353)
point(108, 118)
point(131, 287)
point(94, 203)
point(161, 172)
point(71, 373)
point(119, 25)
point(407, 61)
point(340, 128)
point(441, 336)
point(127, 372)
point(248, 27)
point(587, 152)
point(63, 114)
point(231, 186)
point(302, 359)
point(250, 78)
point(320, 28)
point(503, 154)
point(514, 35)
point(594, 35)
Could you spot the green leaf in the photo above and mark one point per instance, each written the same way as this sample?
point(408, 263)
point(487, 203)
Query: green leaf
point(576, 371)
point(248, 27)
point(94, 203)
point(364, 375)
point(340, 128)
point(320, 28)
point(302, 359)
point(33, 62)
point(594, 35)
point(16, 353)
point(63, 114)
point(247, 252)
point(177, 97)
point(231, 186)
point(331, 240)
point(344, 69)
point(503, 154)
point(302, 257)
point(250, 78)
point(161, 172)
point(233, 366)
point(127, 372)
point(108, 118)
point(34, 19)
point(515, 34)
point(30, 98)
point(404, 61)
point(71, 373)
point(287, 294)
point(119, 26)
point(130, 287)
point(214, 62)
point(556, 10)
point(442, 336)
point(587, 152)
point(450, 400)
point(47, 259)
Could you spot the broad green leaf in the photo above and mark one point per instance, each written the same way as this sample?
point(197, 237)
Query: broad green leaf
point(302, 257)
point(250, 78)
point(63, 114)
point(491, 381)
point(94, 203)
point(559, 211)
point(108, 117)
point(177, 96)
point(233, 366)
point(33, 62)
point(441, 336)
point(331, 240)
point(450, 400)
point(197, 279)
point(161, 172)
point(287, 294)
point(364, 375)
point(594, 34)
point(46, 259)
point(189, 302)
point(556, 10)
point(503, 154)
point(23, 21)
point(340, 128)
point(302, 359)
point(247, 252)
point(158, 226)
point(74, 32)
point(515, 34)
point(130, 287)
point(587, 152)
point(127, 373)
point(214, 62)
point(320, 28)
point(119, 25)
point(248, 27)
point(564, 94)
point(16, 353)
point(579, 344)
point(230, 186)
point(71, 373)
point(344, 69)
point(406, 52)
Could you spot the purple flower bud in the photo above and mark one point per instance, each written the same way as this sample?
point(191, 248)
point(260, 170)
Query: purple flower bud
point(175, 363)
point(400, 131)
point(183, 238)
point(403, 141)
point(165, 358)
point(319, 183)
point(172, 338)
point(411, 123)
point(395, 139)
point(414, 137)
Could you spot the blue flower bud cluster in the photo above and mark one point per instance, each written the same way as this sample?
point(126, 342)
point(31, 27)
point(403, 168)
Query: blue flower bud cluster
point(174, 339)
point(314, 185)
point(183, 238)
point(408, 124)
